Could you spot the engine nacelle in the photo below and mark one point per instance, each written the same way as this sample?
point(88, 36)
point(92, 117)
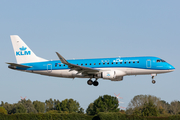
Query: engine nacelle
point(113, 75)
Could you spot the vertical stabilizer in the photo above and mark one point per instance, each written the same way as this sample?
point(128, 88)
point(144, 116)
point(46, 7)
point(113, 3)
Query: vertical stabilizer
point(22, 52)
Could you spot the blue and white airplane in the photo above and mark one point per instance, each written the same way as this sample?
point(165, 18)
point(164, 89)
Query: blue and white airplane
point(113, 69)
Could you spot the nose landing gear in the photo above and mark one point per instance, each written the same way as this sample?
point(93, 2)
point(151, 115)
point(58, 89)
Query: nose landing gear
point(153, 75)
point(153, 81)
point(95, 83)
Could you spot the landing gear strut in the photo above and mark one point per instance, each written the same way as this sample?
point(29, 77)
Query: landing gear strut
point(95, 83)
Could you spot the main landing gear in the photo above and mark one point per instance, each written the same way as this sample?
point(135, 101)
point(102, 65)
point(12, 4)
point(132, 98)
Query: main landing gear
point(153, 81)
point(95, 83)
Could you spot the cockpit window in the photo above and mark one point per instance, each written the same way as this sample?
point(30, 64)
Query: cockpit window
point(158, 60)
point(161, 60)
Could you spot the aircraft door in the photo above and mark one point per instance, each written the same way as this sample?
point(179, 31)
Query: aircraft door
point(148, 63)
point(49, 68)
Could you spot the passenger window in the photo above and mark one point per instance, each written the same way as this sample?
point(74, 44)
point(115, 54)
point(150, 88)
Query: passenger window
point(99, 63)
point(137, 61)
point(124, 62)
point(59, 65)
point(108, 63)
point(55, 64)
point(94, 63)
point(129, 62)
point(103, 63)
point(120, 62)
point(86, 64)
point(112, 62)
point(133, 61)
point(81, 64)
point(116, 62)
point(77, 64)
point(90, 64)
point(63, 65)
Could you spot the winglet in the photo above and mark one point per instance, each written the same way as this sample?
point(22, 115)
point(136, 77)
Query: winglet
point(63, 60)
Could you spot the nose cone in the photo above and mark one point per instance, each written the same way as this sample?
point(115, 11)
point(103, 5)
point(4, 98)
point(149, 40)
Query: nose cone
point(171, 68)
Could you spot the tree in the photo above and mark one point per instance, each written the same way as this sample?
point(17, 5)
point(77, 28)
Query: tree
point(175, 107)
point(148, 109)
point(139, 101)
point(81, 111)
point(164, 108)
point(39, 106)
point(3, 110)
point(69, 106)
point(19, 108)
point(2, 103)
point(104, 103)
point(51, 104)
point(28, 106)
point(90, 110)
point(8, 107)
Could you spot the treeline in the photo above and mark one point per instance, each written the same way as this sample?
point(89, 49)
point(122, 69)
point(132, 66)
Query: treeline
point(49, 106)
point(104, 107)
point(147, 105)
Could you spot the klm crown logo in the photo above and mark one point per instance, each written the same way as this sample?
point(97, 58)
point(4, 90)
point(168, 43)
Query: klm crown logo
point(23, 51)
point(108, 75)
point(23, 48)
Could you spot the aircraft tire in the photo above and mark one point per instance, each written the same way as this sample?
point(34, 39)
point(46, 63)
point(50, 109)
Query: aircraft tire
point(95, 83)
point(153, 81)
point(90, 82)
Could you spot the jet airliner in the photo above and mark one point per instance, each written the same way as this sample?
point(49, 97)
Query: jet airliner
point(113, 69)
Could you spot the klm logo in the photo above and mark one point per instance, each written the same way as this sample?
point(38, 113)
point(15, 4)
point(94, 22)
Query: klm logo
point(23, 51)
point(108, 75)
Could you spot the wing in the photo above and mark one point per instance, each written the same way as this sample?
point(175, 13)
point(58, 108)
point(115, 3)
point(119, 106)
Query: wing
point(78, 68)
point(19, 65)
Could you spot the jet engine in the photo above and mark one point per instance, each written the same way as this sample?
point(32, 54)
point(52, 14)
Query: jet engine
point(113, 75)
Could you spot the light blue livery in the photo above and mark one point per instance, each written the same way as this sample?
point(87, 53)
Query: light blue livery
point(113, 69)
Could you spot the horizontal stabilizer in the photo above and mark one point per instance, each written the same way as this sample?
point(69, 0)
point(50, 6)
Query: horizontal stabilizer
point(19, 65)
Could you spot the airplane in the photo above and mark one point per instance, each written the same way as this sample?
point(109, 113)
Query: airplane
point(113, 69)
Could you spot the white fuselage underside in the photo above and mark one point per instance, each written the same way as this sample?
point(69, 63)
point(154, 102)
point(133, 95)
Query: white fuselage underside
point(72, 74)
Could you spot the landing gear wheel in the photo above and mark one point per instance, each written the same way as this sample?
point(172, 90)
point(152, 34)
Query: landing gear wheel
point(153, 81)
point(90, 82)
point(95, 83)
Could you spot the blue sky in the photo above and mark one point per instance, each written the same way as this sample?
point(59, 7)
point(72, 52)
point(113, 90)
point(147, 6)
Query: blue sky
point(90, 29)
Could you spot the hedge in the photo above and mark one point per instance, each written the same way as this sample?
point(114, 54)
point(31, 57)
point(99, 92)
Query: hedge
point(41, 116)
point(77, 116)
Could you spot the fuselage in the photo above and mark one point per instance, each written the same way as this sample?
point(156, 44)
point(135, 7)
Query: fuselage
point(129, 65)
point(113, 69)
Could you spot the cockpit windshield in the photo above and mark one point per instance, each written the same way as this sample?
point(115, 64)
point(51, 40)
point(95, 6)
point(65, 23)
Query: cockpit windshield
point(160, 60)
point(163, 60)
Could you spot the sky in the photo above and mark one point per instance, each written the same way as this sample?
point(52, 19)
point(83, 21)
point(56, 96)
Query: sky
point(90, 29)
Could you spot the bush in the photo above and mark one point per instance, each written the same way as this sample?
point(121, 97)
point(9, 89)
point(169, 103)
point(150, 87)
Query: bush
point(3, 110)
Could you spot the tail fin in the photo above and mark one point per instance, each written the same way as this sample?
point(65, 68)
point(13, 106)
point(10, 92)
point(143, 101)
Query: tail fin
point(22, 52)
